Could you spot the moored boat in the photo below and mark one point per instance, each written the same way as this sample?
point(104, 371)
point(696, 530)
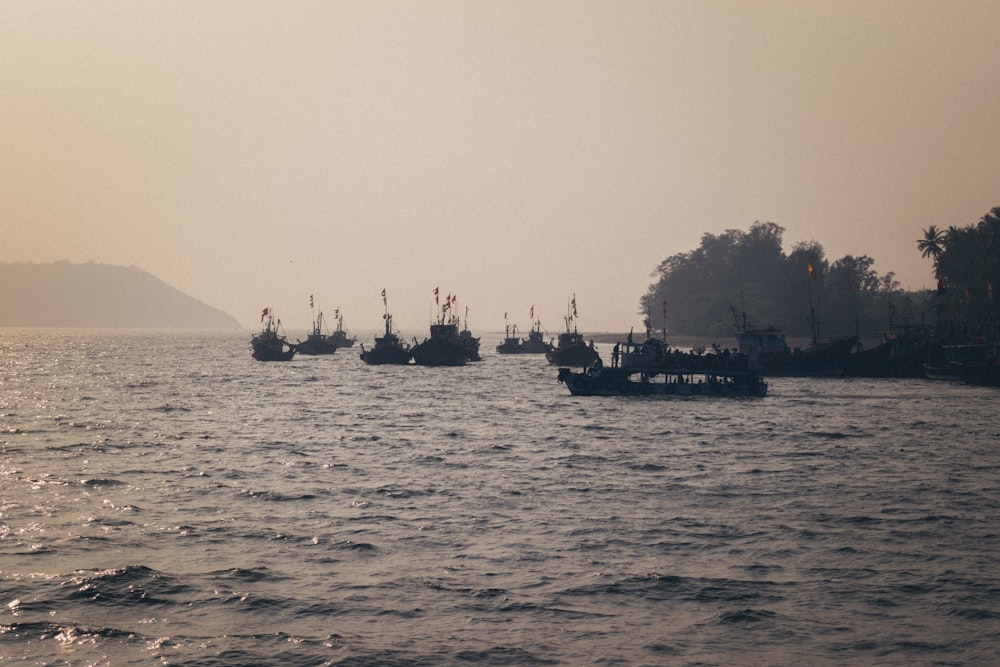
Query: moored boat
point(823, 358)
point(269, 344)
point(389, 348)
point(447, 346)
point(340, 337)
point(316, 341)
point(954, 362)
point(652, 369)
point(533, 344)
point(571, 349)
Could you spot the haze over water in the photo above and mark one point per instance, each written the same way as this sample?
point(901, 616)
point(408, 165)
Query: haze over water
point(164, 498)
point(513, 153)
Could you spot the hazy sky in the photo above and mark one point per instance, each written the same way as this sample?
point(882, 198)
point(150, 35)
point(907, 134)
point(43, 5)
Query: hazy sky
point(253, 153)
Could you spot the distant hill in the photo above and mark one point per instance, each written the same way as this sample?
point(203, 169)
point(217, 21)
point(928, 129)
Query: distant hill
point(63, 294)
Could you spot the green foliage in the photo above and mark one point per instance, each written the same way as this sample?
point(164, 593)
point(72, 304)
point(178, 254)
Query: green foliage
point(967, 266)
point(709, 290)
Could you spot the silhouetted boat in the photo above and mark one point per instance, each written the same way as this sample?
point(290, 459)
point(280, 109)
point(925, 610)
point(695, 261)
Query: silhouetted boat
point(339, 336)
point(445, 346)
point(821, 359)
point(269, 345)
point(571, 349)
point(316, 341)
point(901, 354)
point(533, 344)
point(972, 363)
point(389, 349)
point(652, 369)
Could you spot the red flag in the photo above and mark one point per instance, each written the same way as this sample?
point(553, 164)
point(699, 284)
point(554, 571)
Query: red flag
point(574, 305)
point(532, 313)
point(310, 300)
point(263, 314)
point(664, 308)
point(436, 302)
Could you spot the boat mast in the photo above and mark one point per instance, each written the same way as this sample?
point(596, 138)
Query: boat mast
point(812, 310)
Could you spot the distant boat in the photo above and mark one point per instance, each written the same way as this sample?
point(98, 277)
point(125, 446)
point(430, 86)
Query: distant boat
point(533, 344)
point(339, 336)
point(317, 342)
point(269, 345)
point(389, 349)
point(446, 346)
point(571, 349)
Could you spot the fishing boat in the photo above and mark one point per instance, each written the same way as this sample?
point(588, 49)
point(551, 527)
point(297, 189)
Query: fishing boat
point(340, 337)
point(571, 349)
point(651, 368)
point(447, 346)
point(444, 347)
point(389, 348)
point(533, 344)
point(901, 353)
point(823, 358)
point(973, 363)
point(269, 344)
point(316, 341)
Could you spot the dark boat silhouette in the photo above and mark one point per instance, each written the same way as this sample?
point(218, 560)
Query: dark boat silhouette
point(533, 344)
point(269, 345)
point(571, 349)
point(316, 341)
point(389, 348)
point(652, 369)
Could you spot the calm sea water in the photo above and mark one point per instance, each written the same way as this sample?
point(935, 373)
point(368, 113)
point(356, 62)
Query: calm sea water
point(165, 499)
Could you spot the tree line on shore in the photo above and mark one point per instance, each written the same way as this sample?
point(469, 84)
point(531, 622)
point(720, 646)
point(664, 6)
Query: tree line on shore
point(745, 278)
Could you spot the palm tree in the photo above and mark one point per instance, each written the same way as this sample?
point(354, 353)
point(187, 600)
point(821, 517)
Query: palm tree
point(932, 245)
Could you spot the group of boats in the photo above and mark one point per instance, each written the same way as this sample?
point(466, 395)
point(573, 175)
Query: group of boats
point(450, 342)
point(652, 367)
point(272, 345)
point(906, 351)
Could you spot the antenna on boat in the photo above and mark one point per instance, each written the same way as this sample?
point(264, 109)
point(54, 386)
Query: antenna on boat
point(743, 300)
point(664, 320)
point(812, 311)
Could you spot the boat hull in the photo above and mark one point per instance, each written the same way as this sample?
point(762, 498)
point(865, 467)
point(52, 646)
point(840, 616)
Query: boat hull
point(272, 353)
point(314, 345)
point(623, 382)
point(394, 356)
point(439, 352)
point(578, 355)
